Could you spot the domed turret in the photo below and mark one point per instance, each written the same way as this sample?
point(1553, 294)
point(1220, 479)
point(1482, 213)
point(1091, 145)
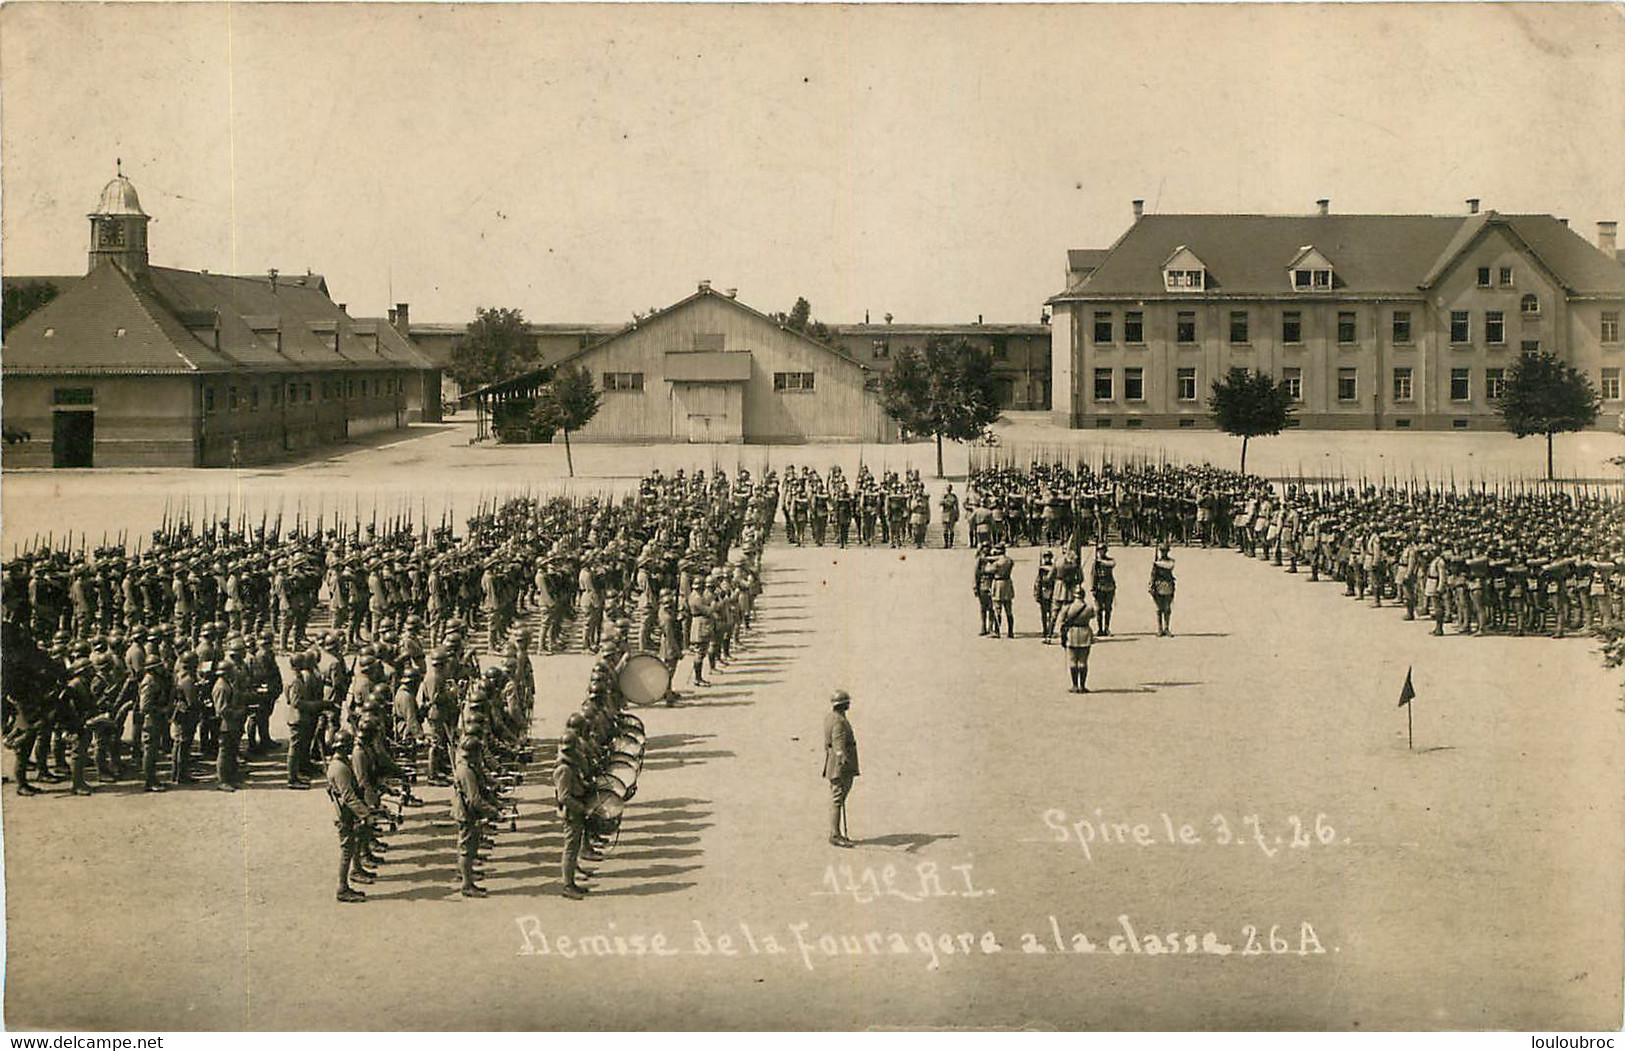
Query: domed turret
point(119, 198)
point(118, 228)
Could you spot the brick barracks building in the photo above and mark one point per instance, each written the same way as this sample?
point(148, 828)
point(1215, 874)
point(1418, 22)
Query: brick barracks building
point(1375, 321)
point(135, 365)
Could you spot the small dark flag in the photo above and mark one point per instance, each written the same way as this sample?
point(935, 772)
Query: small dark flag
point(1407, 693)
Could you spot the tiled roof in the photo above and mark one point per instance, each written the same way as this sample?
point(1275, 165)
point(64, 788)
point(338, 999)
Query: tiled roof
point(1371, 254)
point(106, 323)
point(169, 325)
point(1085, 258)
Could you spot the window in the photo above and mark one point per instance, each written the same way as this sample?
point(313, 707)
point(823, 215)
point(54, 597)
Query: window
point(375, 386)
point(1103, 384)
point(1348, 388)
point(1302, 280)
point(293, 393)
point(1610, 326)
point(1461, 385)
point(999, 348)
point(231, 399)
point(1495, 327)
point(782, 381)
point(1530, 305)
point(1345, 326)
point(1506, 277)
point(1183, 279)
point(1323, 279)
point(1292, 377)
point(1103, 423)
point(254, 399)
point(1103, 326)
point(73, 396)
point(1134, 421)
point(1133, 327)
point(1403, 422)
point(633, 381)
point(1134, 384)
point(1459, 424)
point(1402, 326)
point(1461, 326)
point(1311, 280)
point(1530, 346)
point(1402, 384)
point(708, 341)
point(208, 399)
point(882, 348)
point(1185, 327)
point(1610, 384)
point(1291, 327)
point(1187, 384)
point(1494, 383)
point(307, 392)
point(1238, 326)
point(349, 387)
point(1483, 277)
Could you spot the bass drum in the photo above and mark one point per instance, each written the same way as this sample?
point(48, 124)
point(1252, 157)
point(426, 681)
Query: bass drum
point(605, 806)
point(644, 679)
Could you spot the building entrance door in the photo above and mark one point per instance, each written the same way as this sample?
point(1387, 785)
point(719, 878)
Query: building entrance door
point(73, 439)
point(700, 413)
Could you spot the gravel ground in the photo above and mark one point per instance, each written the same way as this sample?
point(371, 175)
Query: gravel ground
point(1470, 883)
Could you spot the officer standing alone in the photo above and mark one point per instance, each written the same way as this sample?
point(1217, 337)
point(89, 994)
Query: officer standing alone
point(840, 765)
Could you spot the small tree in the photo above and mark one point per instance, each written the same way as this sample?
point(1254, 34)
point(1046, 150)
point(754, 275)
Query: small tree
point(496, 346)
point(1250, 404)
point(945, 391)
point(800, 314)
point(565, 404)
point(22, 300)
point(1543, 395)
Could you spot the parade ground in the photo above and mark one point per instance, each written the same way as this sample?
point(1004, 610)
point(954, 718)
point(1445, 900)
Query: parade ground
point(1229, 831)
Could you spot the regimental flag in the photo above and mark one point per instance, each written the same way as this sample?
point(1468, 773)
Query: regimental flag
point(1407, 693)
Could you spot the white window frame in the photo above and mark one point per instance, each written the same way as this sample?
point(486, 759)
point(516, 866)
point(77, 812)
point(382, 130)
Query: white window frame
point(1492, 318)
point(1494, 383)
point(1185, 372)
point(1406, 374)
point(1466, 375)
point(1292, 376)
point(1353, 376)
point(1610, 378)
point(1111, 385)
point(1136, 372)
point(1466, 316)
point(1609, 319)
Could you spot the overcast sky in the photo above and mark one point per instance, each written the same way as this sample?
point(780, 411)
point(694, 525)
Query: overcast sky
point(582, 163)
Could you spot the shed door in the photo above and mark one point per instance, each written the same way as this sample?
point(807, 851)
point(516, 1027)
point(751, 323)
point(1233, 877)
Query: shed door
point(700, 412)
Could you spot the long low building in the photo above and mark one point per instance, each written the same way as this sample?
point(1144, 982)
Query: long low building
point(1373, 321)
point(1020, 352)
point(134, 365)
point(711, 369)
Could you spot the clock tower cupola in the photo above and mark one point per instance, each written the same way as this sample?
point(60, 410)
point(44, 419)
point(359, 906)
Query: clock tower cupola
point(118, 228)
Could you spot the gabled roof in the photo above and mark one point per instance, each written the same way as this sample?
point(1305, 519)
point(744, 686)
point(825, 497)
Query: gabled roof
point(1376, 255)
point(718, 296)
point(1310, 258)
point(1184, 259)
point(539, 374)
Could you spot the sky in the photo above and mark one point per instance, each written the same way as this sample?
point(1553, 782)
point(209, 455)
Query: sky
point(932, 162)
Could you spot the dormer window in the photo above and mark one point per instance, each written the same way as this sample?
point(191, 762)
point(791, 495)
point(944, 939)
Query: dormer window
point(1184, 272)
point(1311, 271)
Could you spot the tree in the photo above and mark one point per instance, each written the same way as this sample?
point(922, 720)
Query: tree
point(944, 391)
point(800, 314)
point(1250, 404)
point(22, 300)
point(1542, 395)
point(495, 346)
point(566, 403)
